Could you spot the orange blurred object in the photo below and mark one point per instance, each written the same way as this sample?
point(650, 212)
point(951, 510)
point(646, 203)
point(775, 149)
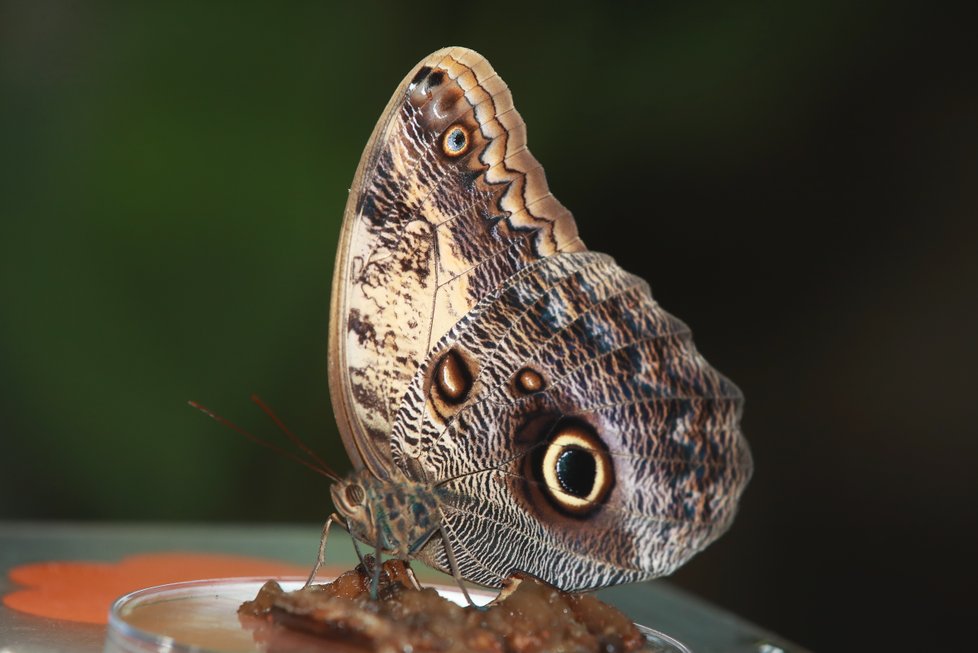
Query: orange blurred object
point(84, 591)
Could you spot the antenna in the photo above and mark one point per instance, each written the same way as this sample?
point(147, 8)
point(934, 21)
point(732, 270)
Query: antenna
point(320, 466)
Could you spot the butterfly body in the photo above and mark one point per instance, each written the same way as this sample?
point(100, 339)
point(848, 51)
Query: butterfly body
point(396, 516)
point(497, 384)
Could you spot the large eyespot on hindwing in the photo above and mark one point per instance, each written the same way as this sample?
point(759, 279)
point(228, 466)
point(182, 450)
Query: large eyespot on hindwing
point(451, 382)
point(573, 468)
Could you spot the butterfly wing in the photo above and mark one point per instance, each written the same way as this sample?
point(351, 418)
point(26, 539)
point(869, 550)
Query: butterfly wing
point(565, 421)
point(447, 203)
point(594, 445)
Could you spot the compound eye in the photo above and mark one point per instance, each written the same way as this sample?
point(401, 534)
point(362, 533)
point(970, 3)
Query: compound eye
point(455, 142)
point(355, 494)
point(576, 470)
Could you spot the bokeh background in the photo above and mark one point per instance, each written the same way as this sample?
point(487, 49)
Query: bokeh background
point(798, 181)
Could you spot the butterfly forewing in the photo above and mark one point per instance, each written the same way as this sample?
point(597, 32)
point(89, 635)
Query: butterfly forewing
point(436, 219)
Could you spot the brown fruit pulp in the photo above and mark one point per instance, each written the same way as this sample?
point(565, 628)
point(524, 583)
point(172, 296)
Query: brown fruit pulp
point(528, 616)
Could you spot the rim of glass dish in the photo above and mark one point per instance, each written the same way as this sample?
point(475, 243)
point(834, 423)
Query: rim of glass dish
point(119, 627)
point(665, 639)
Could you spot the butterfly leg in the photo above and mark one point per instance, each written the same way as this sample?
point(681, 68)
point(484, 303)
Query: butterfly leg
point(321, 558)
point(453, 565)
point(378, 563)
point(356, 549)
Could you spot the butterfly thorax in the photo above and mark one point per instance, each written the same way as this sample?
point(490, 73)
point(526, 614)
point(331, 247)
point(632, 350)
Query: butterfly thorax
point(397, 515)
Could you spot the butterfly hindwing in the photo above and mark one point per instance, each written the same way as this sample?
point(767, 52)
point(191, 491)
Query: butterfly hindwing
point(575, 354)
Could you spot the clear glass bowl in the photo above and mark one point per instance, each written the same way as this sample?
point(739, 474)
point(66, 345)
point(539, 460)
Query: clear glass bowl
point(201, 617)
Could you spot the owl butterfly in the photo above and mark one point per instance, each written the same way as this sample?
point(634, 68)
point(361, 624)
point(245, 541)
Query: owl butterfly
point(509, 399)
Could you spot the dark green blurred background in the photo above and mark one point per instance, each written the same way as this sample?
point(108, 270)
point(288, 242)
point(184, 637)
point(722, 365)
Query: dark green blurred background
point(799, 183)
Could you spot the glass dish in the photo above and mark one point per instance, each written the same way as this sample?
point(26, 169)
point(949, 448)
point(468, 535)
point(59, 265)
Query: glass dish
point(201, 617)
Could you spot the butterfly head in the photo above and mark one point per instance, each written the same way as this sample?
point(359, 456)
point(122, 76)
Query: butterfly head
point(397, 515)
point(351, 500)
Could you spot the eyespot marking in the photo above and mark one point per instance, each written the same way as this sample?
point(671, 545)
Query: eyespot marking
point(455, 141)
point(575, 469)
point(528, 381)
point(453, 379)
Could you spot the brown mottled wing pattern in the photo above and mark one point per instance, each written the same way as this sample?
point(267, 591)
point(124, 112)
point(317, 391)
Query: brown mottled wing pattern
point(446, 205)
point(609, 359)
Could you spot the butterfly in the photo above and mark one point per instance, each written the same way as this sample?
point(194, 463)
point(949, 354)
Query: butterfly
point(510, 400)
